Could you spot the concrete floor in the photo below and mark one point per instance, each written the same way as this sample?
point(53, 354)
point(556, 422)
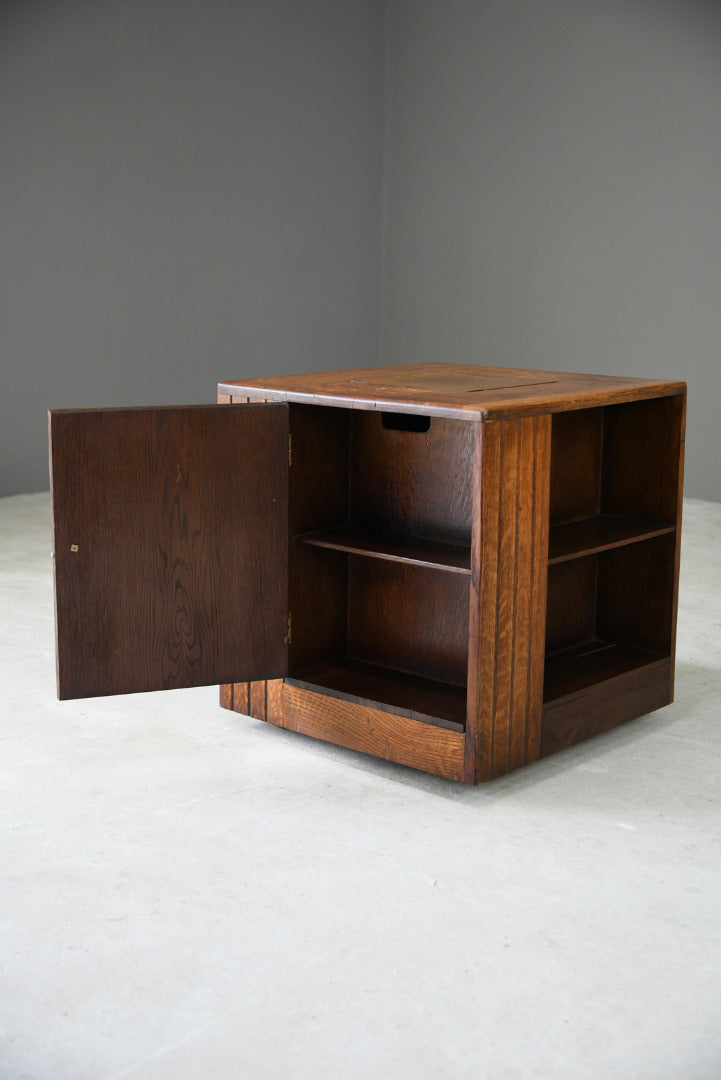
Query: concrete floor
point(187, 893)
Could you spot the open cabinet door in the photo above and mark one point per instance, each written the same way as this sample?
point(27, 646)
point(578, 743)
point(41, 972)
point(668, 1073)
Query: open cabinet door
point(171, 546)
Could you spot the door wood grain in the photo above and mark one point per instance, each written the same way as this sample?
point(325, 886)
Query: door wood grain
point(170, 531)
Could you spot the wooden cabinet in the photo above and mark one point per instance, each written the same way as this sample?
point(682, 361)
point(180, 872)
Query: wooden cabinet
point(457, 568)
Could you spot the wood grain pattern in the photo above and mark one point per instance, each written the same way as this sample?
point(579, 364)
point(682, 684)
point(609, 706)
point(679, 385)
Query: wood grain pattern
point(505, 717)
point(241, 698)
point(382, 734)
point(170, 546)
point(408, 618)
point(256, 700)
point(399, 480)
point(465, 391)
point(274, 701)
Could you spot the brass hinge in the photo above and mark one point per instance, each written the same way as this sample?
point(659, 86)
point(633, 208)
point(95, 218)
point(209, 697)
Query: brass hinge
point(286, 640)
point(290, 450)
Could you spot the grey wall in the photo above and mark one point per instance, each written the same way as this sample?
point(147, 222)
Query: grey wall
point(553, 192)
point(192, 191)
point(188, 191)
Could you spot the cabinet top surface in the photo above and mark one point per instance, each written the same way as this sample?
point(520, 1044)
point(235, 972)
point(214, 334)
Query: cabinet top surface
point(461, 390)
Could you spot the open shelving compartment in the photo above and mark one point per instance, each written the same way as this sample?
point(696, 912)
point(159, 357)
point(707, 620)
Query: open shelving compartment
point(379, 566)
point(612, 546)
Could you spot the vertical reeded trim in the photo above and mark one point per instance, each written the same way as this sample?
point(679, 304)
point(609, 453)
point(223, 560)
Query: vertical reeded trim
point(506, 672)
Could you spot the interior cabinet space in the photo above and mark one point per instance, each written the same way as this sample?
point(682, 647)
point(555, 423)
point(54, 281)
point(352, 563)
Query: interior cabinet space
point(608, 613)
point(614, 510)
point(379, 564)
point(614, 476)
point(456, 568)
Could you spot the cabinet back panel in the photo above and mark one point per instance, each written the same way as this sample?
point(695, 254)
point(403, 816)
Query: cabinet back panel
point(635, 594)
point(318, 594)
point(412, 482)
point(641, 458)
point(571, 607)
point(576, 448)
point(409, 618)
point(318, 476)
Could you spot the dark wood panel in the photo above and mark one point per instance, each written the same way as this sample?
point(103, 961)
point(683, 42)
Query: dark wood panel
point(409, 482)
point(593, 662)
point(318, 475)
point(408, 618)
point(571, 603)
point(385, 735)
point(426, 700)
point(599, 534)
point(454, 558)
point(602, 706)
point(576, 453)
point(318, 585)
point(636, 594)
point(170, 530)
point(641, 458)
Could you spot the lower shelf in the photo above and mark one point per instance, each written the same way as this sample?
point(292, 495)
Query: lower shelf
point(593, 662)
point(421, 699)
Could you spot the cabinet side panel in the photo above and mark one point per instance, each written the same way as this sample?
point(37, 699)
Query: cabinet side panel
point(226, 689)
point(513, 559)
point(677, 560)
point(538, 583)
point(473, 732)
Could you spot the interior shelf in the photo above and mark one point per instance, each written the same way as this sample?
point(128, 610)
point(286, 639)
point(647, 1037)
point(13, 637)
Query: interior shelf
point(599, 533)
point(593, 662)
point(427, 700)
point(415, 551)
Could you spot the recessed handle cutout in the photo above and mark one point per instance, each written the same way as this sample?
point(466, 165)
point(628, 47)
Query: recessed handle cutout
point(405, 421)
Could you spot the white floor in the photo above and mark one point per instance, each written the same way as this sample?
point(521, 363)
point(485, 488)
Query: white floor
point(188, 893)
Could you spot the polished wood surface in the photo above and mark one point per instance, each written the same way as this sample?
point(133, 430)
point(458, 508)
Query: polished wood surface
point(464, 391)
point(170, 532)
